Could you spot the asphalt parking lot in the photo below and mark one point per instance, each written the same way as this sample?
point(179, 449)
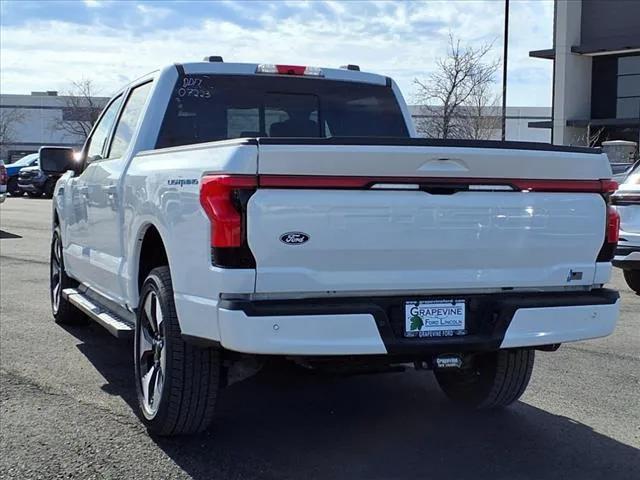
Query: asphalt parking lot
point(67, 405)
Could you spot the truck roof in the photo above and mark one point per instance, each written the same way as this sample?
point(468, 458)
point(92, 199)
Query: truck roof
point(224, 68)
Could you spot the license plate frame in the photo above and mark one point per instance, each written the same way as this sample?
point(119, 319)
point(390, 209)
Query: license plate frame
point(435, 318)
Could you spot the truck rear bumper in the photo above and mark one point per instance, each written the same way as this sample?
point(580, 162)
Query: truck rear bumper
point(549, 325)
point(365, 326)
point(627, 257)
point(342, 334)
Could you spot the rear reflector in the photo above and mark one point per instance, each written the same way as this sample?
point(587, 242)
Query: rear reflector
point(290, 70)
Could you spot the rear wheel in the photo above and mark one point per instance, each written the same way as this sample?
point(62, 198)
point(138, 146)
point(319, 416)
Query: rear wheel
point(495, 379)
point(64, 312)
point(177, 383)
point(632, 277)
point(49, 187)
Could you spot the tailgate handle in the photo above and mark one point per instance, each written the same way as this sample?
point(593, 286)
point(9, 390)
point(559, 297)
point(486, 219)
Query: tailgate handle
point(444, 164)
point(444, 189)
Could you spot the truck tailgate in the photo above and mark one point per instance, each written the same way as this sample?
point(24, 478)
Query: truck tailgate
point(427, 218)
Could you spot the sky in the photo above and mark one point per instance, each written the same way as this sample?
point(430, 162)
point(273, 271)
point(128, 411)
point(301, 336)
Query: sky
point(48, 44)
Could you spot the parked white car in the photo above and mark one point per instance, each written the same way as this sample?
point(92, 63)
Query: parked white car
point(627, 203)
point(229, 212)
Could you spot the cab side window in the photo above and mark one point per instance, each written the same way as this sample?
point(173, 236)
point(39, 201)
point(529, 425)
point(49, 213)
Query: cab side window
point(128, 121)
point(100, 134)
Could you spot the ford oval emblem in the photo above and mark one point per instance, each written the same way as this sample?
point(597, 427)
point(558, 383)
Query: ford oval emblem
point(294, 238)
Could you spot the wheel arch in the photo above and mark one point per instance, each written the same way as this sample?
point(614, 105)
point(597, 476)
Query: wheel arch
point(151, 251)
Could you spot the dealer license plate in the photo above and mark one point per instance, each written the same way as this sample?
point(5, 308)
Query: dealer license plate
point(435, 318)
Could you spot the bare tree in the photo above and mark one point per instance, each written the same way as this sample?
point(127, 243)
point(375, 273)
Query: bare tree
point(592, 137)
point(9, 118)
point(81, 110)
point(460, 78)
point(481, 116)
point(595, 137)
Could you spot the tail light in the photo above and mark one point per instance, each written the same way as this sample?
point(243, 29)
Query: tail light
point(612, 229)
point(224, 199)
point(609, 186)
point(612, 234)
point(613, 225)
point(3, 175)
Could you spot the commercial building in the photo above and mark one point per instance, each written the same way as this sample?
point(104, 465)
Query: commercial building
point(29, 121)
point(518, 122)
point(596, 74)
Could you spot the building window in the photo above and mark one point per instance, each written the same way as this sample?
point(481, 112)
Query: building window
point(628, 87)
point(629, 65)
point(628, 107)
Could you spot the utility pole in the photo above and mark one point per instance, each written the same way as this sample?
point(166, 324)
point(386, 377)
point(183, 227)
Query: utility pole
point(504, 70)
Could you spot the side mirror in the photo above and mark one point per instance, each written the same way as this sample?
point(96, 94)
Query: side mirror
point(57, 159)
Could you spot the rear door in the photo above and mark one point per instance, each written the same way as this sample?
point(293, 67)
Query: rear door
point(105, 221)
point(363, 218)
point(76, 235)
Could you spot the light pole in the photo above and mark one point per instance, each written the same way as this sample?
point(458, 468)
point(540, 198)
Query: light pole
point(504, 70)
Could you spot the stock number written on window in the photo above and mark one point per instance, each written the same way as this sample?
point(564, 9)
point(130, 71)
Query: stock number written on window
point(193, 87)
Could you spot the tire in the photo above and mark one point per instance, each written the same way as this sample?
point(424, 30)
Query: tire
point(632, 277)
point(34, 194)
point(496, 379)
point(13, 189)
point(187, 377)
point(63, 311)
point(49, 187)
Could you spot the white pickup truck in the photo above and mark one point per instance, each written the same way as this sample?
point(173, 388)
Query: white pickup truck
point(223, 212)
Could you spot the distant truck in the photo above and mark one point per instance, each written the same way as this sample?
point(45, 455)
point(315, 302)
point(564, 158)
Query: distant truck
point(13, 169)
point(228, 212)
point(627, 203)
point(35, 182)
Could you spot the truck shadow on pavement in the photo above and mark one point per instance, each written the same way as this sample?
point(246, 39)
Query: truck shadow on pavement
point(289, 423)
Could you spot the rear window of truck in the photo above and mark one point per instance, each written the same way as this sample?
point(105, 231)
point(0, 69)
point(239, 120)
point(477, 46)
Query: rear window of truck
point(205, 108)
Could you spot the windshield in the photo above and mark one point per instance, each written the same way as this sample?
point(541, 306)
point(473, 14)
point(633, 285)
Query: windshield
point(26, 161)
point(206, 108)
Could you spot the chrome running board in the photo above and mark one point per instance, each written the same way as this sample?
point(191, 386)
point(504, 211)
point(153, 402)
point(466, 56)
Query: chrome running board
point(116, 326)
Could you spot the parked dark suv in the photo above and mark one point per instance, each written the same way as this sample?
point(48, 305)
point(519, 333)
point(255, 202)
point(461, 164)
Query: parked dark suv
point(35, 182)
point(13, 169)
